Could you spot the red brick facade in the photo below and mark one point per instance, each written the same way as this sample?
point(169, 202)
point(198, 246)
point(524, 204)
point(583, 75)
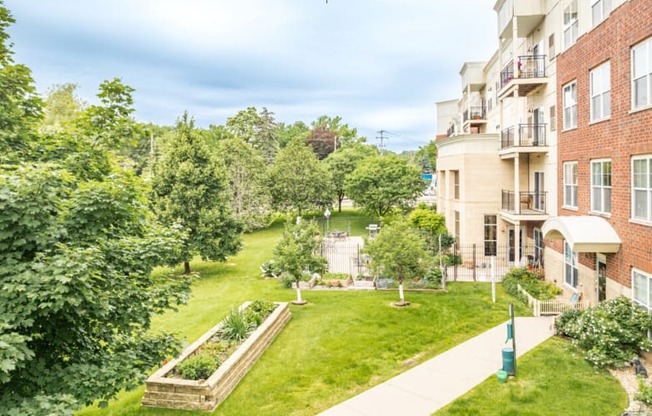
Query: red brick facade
point(623, 135)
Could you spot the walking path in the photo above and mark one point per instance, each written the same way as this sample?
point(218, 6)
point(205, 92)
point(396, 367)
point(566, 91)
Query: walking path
point(432, 385)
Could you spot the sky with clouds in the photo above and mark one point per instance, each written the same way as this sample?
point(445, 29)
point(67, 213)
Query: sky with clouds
point(379, 64)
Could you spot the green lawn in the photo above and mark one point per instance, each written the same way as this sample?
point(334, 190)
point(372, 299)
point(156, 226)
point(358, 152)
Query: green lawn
point(552, 380)
point(340, 344)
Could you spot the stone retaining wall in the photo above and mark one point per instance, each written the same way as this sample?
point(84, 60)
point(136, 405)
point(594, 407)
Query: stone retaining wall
point(175, 393)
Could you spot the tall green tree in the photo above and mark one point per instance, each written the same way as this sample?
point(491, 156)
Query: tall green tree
point(189, 189)
point(20, 106)
point(257, 128)
point(426, 157)
point(62, 106)
point(380, 183)
point(298, 181)
point(289, 132)
point(296, 253)
point(399, 252)
point(246, 174)
point(345, 134)
point(343, 162)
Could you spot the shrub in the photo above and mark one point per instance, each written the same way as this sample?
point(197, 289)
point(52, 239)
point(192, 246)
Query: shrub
point(433, 278)
point(644, 393)
point(262, 307)
point(532, 284)
point(609, 334)
point(236, 326)
point(269, 269)
point(199, 366)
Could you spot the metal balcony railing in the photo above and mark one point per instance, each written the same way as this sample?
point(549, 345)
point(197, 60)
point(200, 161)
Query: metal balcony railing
point(475, 112)
point(528, 202)
point(527, 66)
point(523, 135)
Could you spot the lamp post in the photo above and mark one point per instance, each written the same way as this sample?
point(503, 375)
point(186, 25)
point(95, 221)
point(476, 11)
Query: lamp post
point(327, 214)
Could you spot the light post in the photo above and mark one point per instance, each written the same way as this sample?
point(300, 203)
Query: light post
point(327, 214)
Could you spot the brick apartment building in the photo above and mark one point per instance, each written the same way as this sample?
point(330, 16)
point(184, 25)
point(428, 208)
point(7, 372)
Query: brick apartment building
point(601, 239)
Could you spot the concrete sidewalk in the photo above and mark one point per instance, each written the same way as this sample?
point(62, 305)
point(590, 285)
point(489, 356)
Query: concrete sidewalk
point(430, 386)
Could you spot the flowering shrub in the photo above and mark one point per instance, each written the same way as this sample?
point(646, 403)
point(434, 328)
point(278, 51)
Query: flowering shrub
point(609, 334)
point(532, 284)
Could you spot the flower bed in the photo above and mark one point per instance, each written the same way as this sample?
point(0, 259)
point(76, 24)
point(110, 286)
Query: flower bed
point(166, 389)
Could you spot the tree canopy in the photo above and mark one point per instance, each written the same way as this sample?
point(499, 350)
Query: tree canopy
point(246, 174)
point(257, 128)
point(189, 189)
point(298, 181)
point(383, 182)
point(342, 162)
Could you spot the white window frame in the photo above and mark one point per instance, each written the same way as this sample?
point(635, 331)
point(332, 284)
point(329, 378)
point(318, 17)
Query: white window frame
point(570, 105)
point(571, 268)
point(601, 186)
point(642, 189)
point(641, 70)
point(600, 90)
point(570, 21)
point(642, 282)
point(600, 10)
point(570, 184)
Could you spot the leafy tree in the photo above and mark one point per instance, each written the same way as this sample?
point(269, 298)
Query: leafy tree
point(110, 125)
point(380, 183)
point(296, 253)
point(61, 107)
point(257, 128)
point(399, 252)
point(426, 157)
point(298, 181)
point(246, 174)
point(76, 262)
point(189, 189)
point(322, 141)
point(20, 105)
point(342, 162)
point(287, 133)
point(345, 134)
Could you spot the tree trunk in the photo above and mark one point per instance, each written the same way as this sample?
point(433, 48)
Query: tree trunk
point(299, 300)
point(339, 203)
point(400, 292)
point(186, 267)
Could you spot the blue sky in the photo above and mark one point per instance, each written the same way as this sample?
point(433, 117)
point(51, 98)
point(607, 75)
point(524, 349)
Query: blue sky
point(379, 64)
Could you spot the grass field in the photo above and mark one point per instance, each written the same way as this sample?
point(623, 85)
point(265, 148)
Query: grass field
point(552, 380)
point(340, 344)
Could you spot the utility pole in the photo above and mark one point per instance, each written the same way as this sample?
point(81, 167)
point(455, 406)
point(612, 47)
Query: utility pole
point(382, 139)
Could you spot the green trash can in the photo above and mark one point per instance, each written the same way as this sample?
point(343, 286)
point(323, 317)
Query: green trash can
point(502, 376)
point(508, 360)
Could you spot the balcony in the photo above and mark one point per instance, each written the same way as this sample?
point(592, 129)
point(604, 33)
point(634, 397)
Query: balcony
point(525, 14)
point(523, 135)
point(530, 74)
point(528, 205)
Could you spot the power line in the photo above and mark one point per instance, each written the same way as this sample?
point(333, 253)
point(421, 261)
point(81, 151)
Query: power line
point(382, 139)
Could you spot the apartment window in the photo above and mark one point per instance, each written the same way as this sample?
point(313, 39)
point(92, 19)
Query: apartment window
point(571, 24)
point(457, 228)
point(570, 105)
point(551, 46)
point(538, 247)
point(553, 117)
point(642, 188)
point(570, 184)
point(601, 92)
point(601, 186)
point(642, 74)
point(600, 10)
point(642, 293)
point(570, 266)
point(490, 235)
point(456, 184)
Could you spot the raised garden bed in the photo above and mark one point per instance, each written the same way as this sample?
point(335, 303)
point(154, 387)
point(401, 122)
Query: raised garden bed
point(165, 389)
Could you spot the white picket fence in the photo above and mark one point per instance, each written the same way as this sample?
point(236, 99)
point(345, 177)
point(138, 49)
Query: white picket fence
point(550, 307)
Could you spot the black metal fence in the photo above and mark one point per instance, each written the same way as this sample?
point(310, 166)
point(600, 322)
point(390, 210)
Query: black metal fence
point(472, 262)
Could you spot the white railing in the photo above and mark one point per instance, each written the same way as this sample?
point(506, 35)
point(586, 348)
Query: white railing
point(550, 307)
